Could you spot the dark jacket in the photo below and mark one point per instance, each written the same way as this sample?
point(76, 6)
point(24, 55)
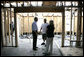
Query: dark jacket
point(50, 31)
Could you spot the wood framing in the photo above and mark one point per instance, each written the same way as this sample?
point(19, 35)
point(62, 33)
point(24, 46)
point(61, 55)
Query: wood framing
point(39, 9)
point(51, 7)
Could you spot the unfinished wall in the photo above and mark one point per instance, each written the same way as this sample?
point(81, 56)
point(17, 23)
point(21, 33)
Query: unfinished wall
point(58, 25)
point(25, 23)
point(57, 22)
point(31, 20)
point(20, 23)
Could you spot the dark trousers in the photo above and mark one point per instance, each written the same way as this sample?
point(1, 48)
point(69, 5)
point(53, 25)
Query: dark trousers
point(34, 39)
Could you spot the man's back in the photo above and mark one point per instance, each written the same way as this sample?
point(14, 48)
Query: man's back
point(44, 26)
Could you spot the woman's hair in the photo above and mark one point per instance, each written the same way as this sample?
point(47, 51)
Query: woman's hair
point(51, 22)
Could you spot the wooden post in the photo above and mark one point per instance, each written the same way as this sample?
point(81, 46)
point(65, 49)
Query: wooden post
point(11, 27)
point(9, 21)
point(74, 26)
point(15, 22)
point(5, 26)
point(82, 34)
point(71, 27)
point(63, 27)
point(3, 30)
point(28, 24)
point(79, 23)
point(8, 25)
point(2, 24)
point(56, 25)
point(23, 25)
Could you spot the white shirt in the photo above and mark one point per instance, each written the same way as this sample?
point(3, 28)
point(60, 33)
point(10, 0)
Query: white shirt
point(34, 26)
point(44, 27)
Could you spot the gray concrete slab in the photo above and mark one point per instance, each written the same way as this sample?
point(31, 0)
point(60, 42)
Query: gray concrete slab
point(25, 48)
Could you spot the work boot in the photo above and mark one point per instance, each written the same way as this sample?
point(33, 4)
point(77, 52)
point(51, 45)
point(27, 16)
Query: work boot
point(43, 44)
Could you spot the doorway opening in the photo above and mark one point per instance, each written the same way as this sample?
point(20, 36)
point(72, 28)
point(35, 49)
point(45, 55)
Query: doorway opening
point(25, 20)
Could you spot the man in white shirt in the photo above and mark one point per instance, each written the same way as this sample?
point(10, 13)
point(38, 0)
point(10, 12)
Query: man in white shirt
point(43, 28)
point(34, 33)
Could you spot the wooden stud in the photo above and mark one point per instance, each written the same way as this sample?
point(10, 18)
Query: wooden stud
point(79, 24)
point(2, 27)
point(23, 25)
point(56, 25)
point(11, 27)
point(71, 27)
point(5, 26)
point(74, 26)
point(28, 24)
point(8, 24)
point(82, 34)
point(63, 28)
point(15, 22)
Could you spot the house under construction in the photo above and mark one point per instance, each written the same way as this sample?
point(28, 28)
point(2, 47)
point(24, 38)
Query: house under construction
point(68, 22)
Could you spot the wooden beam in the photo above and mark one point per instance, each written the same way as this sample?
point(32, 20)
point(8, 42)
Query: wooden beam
point(49, 3)
point(39, 9)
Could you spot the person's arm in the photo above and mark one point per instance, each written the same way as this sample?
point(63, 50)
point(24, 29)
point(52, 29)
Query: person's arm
point(47, 29)
point(40, 29)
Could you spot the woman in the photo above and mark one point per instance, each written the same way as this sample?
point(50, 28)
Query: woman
point(50, 35)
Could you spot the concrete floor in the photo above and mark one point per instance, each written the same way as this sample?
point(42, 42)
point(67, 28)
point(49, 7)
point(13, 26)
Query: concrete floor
point(25, 48)
point(72, 51)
